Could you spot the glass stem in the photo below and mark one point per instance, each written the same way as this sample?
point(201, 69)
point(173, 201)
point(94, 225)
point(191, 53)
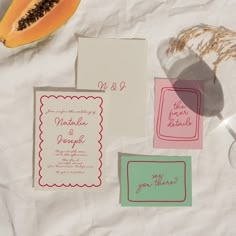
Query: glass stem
point(227, 126)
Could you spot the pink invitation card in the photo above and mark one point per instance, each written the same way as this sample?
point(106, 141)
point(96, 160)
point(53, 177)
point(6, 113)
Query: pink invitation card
point(69, 139)
point(178, 114)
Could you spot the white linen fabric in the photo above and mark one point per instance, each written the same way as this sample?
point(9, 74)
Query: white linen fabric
point(51, 62)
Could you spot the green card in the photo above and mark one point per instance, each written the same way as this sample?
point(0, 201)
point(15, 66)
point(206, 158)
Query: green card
point(156, 181)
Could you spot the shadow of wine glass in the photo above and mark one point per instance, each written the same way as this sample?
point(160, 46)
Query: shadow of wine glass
point(188, 66)
point(212, 92)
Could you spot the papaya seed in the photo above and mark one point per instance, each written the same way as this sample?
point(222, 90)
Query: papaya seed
point(39, 10)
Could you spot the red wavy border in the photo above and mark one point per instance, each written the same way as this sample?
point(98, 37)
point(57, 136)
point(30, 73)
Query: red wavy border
point(41, 141)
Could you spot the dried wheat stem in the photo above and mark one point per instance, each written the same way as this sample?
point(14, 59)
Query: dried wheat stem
point(222, 41)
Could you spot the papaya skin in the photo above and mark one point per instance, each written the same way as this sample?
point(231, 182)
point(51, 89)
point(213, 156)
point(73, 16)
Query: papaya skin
point(49, 23)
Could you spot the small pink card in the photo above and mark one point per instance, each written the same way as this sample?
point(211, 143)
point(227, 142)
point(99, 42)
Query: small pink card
point(178, 114)
point(69, 139)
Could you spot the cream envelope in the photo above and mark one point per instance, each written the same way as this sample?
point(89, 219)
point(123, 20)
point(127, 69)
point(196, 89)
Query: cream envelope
point(119, 67)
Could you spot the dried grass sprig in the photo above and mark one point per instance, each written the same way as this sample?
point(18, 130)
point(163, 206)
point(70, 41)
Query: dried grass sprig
point(208, 39)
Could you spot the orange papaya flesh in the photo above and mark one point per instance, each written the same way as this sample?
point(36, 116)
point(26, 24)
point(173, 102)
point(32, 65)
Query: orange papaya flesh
point(27, 21)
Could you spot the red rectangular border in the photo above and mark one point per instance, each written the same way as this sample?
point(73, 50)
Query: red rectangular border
point(163, 90)
point(185, 184)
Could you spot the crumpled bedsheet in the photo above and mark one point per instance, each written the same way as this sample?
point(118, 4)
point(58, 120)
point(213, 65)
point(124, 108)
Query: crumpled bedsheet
point(51, 62)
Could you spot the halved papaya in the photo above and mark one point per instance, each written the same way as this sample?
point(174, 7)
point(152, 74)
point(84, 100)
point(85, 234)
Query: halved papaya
point(27, 21)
